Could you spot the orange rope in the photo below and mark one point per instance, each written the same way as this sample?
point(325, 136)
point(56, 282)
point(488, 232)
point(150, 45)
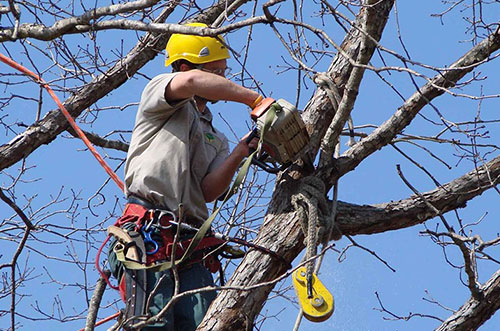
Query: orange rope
point(104, 320)
point(66, 114)
point(82, 136)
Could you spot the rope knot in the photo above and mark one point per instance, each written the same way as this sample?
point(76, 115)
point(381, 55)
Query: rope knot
point(314, 212)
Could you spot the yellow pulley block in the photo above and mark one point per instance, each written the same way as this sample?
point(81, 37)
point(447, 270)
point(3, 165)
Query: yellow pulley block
point(318, 308)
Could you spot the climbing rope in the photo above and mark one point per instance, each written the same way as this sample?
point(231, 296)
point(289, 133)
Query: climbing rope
point(317, 224)
point(323, 80)
point(306, 203)
point(317, 220)
point(66, 114)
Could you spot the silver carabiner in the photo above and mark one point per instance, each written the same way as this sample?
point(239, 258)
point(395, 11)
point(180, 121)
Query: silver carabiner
point(166, 213)
point(148, 224)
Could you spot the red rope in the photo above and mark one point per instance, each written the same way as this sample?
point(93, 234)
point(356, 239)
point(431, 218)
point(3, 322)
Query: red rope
point(80, 133)
point(103, 275)
point(66, 114)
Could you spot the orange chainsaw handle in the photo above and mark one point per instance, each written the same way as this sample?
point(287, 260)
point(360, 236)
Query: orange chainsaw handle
point(261, 108)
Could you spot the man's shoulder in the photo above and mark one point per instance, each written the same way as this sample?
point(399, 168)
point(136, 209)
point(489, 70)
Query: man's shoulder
point(156, 86)
point(161, 77)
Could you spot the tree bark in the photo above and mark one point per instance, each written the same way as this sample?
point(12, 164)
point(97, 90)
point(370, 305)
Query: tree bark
point(355, 219)
point(474, 312)
point(95, 302)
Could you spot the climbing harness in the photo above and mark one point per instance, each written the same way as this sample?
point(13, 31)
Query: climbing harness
point(145, 241)
point(285, 138)
point(151, 235)
point(130, 252)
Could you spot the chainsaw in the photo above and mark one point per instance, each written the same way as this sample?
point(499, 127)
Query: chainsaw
point(285, 135)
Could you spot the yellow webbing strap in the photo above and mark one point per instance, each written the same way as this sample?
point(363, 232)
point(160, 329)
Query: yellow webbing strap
point(118, 249)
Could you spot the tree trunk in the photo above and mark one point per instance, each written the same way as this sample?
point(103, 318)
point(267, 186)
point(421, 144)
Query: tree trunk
point(281, 231)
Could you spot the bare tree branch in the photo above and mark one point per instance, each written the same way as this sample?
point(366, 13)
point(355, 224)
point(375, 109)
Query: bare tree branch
point(474, 312)
point(95, 302)
point(75, 23)
point(405, 114)
point(354, 219)
point(46, 130)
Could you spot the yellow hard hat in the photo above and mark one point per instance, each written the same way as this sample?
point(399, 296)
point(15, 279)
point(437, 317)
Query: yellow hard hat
point(195, 49)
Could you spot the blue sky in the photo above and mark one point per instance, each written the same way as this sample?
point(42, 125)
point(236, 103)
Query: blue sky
point(421, 270)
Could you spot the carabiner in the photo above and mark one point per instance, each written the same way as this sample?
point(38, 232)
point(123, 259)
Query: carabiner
point(166, 213)
point(148, 241)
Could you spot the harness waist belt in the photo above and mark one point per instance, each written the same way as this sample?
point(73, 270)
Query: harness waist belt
point(139, 213)
point(146, 204)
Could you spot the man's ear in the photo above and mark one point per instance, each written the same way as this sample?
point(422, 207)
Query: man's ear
point(184, 67)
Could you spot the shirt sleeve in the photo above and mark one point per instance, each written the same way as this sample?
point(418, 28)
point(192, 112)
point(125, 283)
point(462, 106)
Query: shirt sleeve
point(153, 97)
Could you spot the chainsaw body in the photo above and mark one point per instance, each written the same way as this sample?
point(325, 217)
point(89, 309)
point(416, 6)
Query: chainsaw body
point(285, 138)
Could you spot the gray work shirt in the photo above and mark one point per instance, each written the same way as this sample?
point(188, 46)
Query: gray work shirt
point(173, 147)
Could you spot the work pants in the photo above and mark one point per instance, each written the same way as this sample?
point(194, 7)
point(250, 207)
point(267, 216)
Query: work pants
point(188, 312)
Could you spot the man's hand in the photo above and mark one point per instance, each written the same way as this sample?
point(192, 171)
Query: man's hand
point(244, 148)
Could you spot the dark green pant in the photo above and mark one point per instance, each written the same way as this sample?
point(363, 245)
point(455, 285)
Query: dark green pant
point(188, 312)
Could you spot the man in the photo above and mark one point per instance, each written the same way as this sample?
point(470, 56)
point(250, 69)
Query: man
point(176, 156)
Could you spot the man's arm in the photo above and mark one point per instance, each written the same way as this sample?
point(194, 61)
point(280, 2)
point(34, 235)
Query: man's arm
point(216, 182)
point(190, 83)
point(204, 84)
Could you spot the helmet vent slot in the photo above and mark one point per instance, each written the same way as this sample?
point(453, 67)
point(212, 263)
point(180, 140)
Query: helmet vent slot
point(204, 52)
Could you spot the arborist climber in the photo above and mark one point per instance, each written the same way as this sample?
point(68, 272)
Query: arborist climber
point(176, 156)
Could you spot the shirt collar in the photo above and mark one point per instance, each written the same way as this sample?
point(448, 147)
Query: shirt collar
point(207, 115)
